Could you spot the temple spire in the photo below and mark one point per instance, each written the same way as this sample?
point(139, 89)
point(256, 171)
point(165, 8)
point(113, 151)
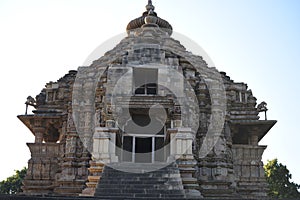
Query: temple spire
point(149, 6)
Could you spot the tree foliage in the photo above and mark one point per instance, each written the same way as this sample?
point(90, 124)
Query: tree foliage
point(12, 184)
point(278, 177)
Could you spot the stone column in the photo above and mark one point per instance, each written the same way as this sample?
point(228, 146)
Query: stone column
point(181, 149)
point(38, 130)
point(253, 140)
point(216, 168)
point(101, 141)
point(181, 140)
point(104, 145)
point(43, 164)
point(104, 151)
point(112, 144)
point(249, 171)
point(42, 168)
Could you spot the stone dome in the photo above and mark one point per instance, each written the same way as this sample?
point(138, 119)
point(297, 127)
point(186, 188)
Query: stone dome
point(140, 21)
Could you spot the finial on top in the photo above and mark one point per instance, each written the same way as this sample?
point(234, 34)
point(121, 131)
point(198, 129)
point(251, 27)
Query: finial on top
point(151, 19)
point(150, 6)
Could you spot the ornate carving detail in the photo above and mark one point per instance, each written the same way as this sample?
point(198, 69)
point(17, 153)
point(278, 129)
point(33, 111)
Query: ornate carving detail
point(41, 99)
point(262, 107)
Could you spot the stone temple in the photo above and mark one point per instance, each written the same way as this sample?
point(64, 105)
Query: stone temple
point(146, 120)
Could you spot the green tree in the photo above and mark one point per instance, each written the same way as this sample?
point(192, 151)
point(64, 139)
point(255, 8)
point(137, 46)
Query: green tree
point(278, 177)
point(12, 184)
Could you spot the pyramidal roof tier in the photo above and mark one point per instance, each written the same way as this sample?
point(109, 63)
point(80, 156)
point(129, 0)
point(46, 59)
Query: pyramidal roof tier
point(149, 15)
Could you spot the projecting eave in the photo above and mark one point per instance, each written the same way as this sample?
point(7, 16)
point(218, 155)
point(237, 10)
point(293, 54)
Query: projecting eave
point(243, 130)
point(29, 120)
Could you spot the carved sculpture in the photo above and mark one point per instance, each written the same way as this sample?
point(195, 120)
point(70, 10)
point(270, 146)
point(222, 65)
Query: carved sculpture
point(262, 107)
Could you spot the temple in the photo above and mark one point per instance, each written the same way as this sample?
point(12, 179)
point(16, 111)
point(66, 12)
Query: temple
point(148, 119)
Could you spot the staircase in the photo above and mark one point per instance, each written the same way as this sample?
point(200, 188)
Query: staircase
point(117, 183)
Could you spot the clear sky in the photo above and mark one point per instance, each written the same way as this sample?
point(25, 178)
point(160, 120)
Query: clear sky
point(254, 41)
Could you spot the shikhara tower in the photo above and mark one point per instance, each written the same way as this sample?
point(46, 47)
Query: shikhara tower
point(149, 106)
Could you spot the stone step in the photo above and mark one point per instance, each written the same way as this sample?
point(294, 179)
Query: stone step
point(158, 174)
point(138, 167)
point(165, 183)
point(130, 164)
point(141, 186)
point(113, 173)
point(140, 171)
point(152, 195)
point(146, 181)
point(143, 179)
point(138, 191)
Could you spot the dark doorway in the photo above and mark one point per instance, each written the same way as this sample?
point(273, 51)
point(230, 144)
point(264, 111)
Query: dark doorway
point(143, 149)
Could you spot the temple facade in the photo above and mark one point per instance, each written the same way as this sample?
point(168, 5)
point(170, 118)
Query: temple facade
point(147, 119)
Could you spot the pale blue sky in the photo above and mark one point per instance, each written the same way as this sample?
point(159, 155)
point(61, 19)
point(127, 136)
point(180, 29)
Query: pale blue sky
point(254, 41)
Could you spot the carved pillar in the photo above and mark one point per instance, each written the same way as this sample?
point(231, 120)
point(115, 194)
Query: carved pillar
point(181, 149)
point(38, 130)
point(181, 140)
point(74, 164)
point(101, 142)
point(249, 171)
point(100, 156)
point(43, 165)
point(215, 164)
point(104, 141)
point(42, 168)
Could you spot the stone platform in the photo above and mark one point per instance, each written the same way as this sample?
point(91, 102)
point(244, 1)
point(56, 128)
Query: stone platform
point(132, 181)
point(19, 197)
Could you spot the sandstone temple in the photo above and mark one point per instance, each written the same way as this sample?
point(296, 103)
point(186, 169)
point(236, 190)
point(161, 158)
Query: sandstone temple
point(149, 119)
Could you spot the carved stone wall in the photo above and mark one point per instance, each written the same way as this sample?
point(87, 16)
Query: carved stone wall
point(224, 160)
point(249, 172)
point(42, 169)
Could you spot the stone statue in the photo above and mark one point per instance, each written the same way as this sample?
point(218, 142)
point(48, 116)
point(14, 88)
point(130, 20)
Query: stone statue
point(31, 102)
point(262, 107)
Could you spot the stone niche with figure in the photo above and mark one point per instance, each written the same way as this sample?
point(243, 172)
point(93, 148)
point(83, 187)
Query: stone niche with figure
point(146, 103)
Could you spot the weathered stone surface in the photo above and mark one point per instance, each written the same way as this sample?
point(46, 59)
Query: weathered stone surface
point(210, 125)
